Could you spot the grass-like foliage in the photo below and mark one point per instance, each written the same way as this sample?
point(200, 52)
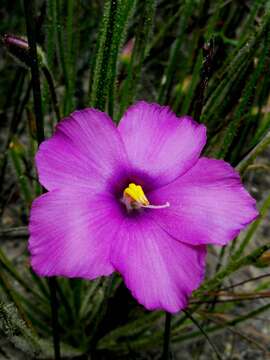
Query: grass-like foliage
point(206, 58)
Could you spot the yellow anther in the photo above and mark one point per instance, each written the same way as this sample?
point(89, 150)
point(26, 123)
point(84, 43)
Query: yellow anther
point(135, 193)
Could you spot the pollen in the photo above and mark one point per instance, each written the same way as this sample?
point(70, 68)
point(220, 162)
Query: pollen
point(134, 198)
point(136, 193)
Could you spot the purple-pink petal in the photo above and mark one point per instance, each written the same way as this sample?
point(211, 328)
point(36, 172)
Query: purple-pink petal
point(85, 151)
point(159, 143)
point(160, 271)
point(72, 233)
point(80, 228)
point(208, 204)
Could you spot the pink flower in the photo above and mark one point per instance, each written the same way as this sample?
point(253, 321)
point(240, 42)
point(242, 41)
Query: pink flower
point(136, 199)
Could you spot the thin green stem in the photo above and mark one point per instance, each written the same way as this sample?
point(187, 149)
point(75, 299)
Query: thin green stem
point(50, 49)
point(235, 321)
point(233, 266)
point(252, 155)
point(29, 9)
point(98, 84)
point(173, 61)
point(198, 100)
point(50, 82)
point(123, 13)
point(204, 333)
point(256, 278)
point(252, 229)
point(70, 56)
point(102, 309)
point(167, 335)
point(15, 150)
point(54, 309)
point(52, 28)
point(139, 54)
point(61, 40)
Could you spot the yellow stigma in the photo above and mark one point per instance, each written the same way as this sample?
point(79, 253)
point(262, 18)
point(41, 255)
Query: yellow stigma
point(135, 193)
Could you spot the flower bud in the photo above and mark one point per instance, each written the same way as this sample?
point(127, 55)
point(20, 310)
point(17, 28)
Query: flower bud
point(127, 51)
point(19, 48)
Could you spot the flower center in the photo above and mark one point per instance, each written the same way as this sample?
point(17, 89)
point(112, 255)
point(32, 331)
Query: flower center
point(134, 198)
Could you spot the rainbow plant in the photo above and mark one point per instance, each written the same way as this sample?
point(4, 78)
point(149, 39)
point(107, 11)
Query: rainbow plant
point(137, 199)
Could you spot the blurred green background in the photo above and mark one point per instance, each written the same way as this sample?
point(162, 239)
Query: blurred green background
point(205, 58)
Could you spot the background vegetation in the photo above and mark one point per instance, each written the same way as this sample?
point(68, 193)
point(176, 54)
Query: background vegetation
point(206, 58)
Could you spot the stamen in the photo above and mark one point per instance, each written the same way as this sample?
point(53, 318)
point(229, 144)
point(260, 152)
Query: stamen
point(135, 192)
point(134, 198)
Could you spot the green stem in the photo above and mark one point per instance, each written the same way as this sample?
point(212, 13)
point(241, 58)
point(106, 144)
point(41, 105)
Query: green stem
point(252, 155)
point(10, 233)
point(99, 84)
point(70, 56)
point(102, 308)
point(54, 309)
point(29, 10)
point(253, 227)
point(50, 49)
point(51, 86)
point(167, 335)
point(61, 41)
point(173, 61)
point(123, 13)
point(233, 266)
point(233, 322)
point(15, 153)
point(204, 333)
point(139, 54)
